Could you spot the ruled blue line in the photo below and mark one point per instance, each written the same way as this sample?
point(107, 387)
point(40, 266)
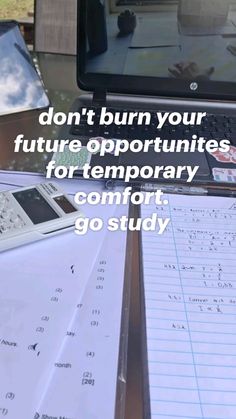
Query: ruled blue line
point(189, 278)
point(189, 352)
point(206, 295)
point(194, 286)
point(195, 257)
point(191, 376)
point(191, 321)
point(181, 241)
point(193, 331)
point(190, 363)
point(182, 417)
point(194, 341)
point(192, 303)
point(194, 272)
point(194, 403)
point(192, 312)
point(193, 389)
point(224, 253)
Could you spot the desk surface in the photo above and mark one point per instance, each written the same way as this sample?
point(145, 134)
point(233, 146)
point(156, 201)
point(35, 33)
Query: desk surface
point(59, 75)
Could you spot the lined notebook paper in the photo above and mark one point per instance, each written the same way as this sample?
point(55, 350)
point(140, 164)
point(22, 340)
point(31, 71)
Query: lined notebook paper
point(190, 298)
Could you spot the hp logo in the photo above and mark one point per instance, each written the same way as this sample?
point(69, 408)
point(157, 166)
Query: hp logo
point(194, 86)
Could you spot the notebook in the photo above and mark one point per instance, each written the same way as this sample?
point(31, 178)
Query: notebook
point(190, 309)
point(138, 60)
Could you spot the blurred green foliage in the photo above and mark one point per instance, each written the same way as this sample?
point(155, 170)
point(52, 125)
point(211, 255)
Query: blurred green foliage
point(15, 9)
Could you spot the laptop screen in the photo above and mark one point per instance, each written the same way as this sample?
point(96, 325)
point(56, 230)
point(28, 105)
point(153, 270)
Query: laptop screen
point(188, 40)
point(20, 86)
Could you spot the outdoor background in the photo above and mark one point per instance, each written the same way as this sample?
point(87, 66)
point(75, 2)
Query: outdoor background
point(15, 9)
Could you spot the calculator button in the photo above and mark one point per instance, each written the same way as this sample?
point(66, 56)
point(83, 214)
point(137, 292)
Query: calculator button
point(6, 214)
point(14, 222)
point(14, 218)
point(10, 212)
point(4, 228)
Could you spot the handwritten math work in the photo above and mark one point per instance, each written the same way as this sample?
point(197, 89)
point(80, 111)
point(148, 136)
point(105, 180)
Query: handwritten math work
point(190, 299)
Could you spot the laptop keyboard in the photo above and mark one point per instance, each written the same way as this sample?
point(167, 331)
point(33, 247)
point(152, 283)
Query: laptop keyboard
point(213, 127)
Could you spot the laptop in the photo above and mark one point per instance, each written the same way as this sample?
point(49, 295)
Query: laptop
point(138, 60)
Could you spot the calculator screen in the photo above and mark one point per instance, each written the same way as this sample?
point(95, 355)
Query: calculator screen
point(64, 204)
point(35, 206)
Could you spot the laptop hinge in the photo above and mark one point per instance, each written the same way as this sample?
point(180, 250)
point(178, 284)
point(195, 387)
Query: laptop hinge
point(100, 97)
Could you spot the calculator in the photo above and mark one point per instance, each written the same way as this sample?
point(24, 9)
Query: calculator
point(35, 213)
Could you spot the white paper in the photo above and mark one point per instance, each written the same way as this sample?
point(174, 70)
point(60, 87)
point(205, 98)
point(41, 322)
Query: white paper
point(190, 297)
point(41, 284)
point(84, 378)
